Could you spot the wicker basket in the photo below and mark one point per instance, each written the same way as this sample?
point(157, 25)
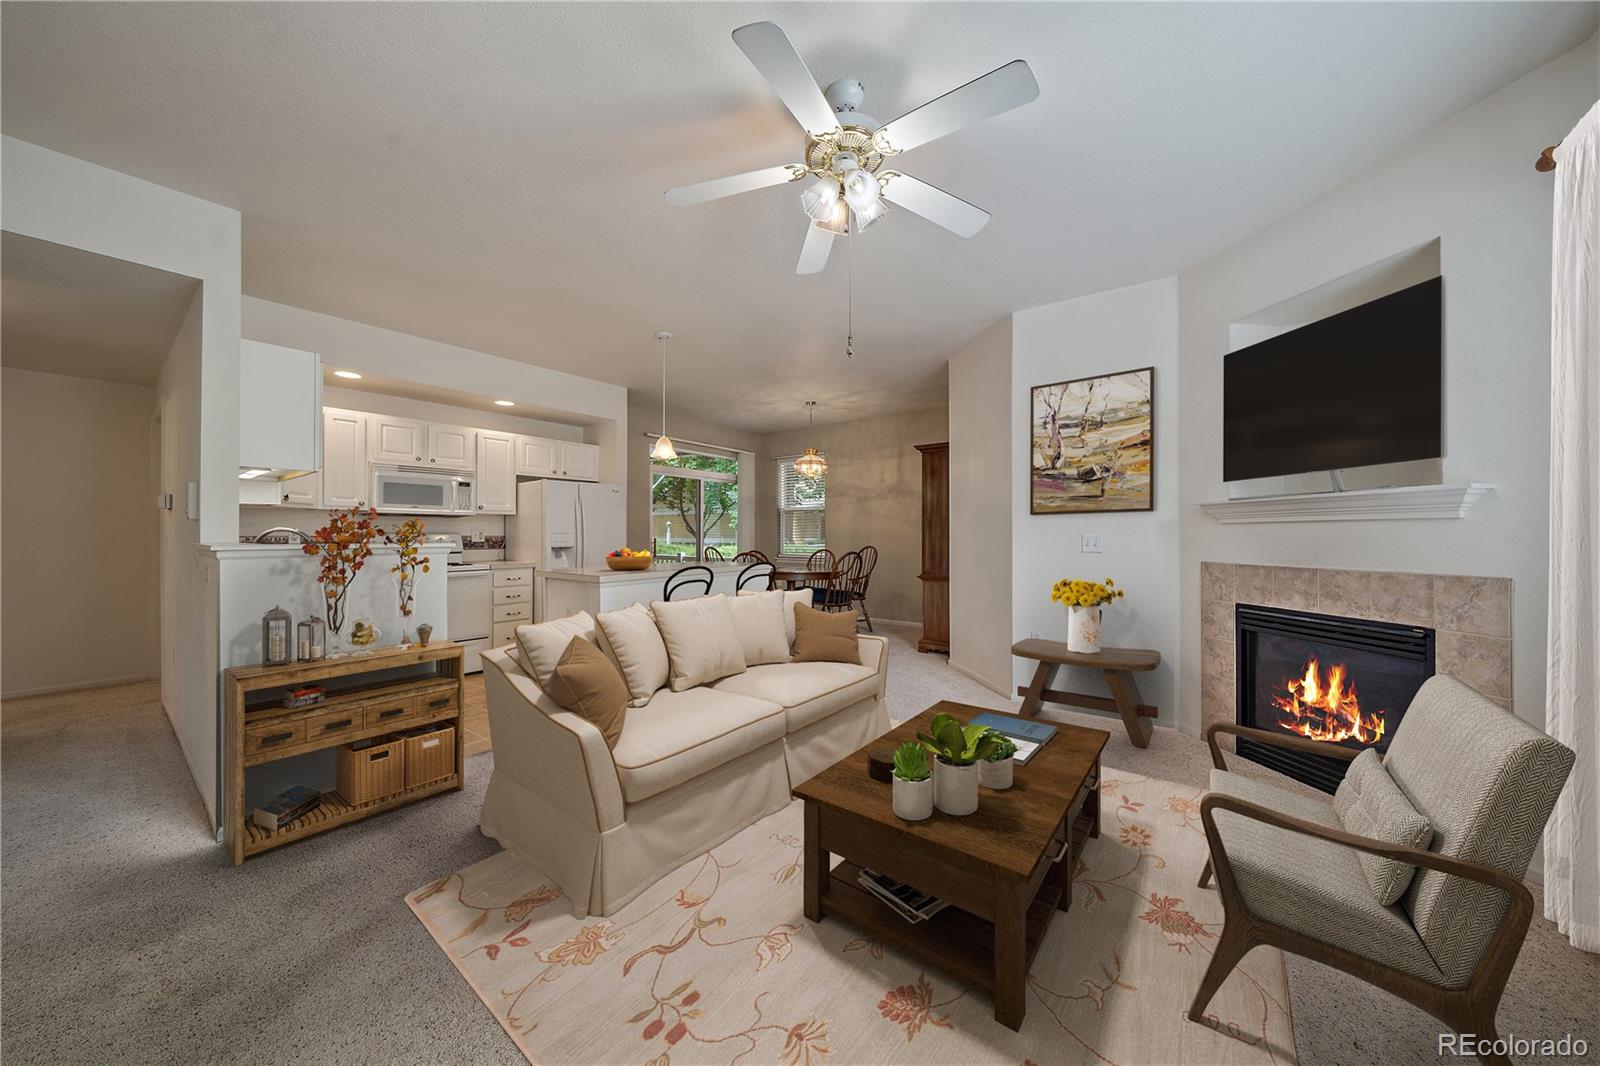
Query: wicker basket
point(372, 773)
point(430, 755)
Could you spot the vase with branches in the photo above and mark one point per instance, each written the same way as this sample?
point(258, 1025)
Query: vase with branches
point(407, 539)
point(344, 546)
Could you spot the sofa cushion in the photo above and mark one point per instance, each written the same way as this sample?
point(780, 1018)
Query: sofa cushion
point(825, 636)
point(1370, 804)
point(702, 642)
point(543, 645)
point(587, 683)
point(678, 736)
point(759, 621)
point(807, 692)
point(634, 641)
point(1312, 886)
point(790, 598)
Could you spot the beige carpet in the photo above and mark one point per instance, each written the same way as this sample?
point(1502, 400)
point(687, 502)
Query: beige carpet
point(716, 963)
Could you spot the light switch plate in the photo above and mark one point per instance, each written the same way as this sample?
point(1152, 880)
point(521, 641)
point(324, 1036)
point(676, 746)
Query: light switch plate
point(1091, 543)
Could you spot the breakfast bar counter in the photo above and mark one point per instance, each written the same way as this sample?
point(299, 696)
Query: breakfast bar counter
point(559, 593)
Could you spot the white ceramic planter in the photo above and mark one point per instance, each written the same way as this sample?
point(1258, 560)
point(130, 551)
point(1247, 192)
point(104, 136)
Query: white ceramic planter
point(997, 774)
point(913, 800)
point(1083, 629)
point(955, 788)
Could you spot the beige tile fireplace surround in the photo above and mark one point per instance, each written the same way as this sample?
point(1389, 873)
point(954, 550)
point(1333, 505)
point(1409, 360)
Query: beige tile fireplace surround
point(1472, 617)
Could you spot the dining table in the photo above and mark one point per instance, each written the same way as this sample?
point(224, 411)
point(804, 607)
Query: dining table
point(792, 578)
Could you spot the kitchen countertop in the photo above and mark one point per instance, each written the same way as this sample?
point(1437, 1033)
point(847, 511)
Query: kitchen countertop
point(657, 572)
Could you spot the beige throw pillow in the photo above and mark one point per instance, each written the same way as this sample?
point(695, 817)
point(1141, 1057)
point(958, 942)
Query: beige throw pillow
point(791, 597)
point(702, 642)
point(633, 640)
point(543, 644)
point(1370, 804)
point(759, 621)
point(585, 682)
point(825, 636)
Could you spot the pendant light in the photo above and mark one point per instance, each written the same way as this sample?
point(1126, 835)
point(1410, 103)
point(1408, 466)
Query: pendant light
point(811, 464)
point(663, 448)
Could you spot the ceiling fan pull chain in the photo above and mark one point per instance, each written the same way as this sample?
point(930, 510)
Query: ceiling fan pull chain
point(850, 294)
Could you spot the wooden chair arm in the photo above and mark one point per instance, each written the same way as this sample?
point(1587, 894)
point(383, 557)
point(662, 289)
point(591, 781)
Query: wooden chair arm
point(1268, 736)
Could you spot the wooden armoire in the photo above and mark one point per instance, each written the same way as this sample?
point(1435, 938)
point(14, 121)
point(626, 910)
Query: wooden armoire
point(935, 575)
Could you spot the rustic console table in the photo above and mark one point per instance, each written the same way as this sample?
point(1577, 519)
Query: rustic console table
point(369, 694)
point(1118, 665)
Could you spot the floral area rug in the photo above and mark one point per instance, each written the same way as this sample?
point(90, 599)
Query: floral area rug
point(716, 963)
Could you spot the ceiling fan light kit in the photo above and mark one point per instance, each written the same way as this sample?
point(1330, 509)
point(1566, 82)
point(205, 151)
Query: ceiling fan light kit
point(845, 147)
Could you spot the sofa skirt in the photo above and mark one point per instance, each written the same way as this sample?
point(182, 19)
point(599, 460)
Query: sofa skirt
point(821, 744)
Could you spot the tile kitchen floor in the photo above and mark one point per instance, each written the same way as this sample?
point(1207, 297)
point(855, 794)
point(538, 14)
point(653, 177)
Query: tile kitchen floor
point(475, 717)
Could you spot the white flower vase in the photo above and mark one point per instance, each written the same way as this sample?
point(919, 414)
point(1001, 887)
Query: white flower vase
point(996, 774)
point(1083, 629)
point(955, 788)
point(913, 800)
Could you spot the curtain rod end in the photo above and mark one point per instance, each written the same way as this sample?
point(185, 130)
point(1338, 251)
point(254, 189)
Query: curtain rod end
point(1547, 160)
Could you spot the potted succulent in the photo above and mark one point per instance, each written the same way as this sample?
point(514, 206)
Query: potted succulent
point(995, 770)
point(959, 748)
point(912, 787)
point(1083, 600)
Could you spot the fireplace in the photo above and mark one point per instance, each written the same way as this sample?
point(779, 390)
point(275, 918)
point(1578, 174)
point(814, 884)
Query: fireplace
point(1345, 681)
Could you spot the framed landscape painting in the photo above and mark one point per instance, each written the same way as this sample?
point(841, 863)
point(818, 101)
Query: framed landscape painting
point(1091, 444)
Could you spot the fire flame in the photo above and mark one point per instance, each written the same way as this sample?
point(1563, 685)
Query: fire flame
point(1326, 711)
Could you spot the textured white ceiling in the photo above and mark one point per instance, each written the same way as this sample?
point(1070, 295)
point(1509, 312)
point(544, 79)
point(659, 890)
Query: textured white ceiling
point(491, 175)
point(67, 311)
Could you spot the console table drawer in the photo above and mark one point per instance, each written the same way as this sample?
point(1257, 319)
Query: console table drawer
point(277, 735)
point(430, 703)
point(335, 723)
point(389, 712)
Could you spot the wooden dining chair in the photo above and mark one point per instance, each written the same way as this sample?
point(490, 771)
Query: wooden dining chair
point(714, 555)
point(839, 592)
point(685, 580)
point(869, 563)
point(751, 556)
point(823, 563)
point(758, 574)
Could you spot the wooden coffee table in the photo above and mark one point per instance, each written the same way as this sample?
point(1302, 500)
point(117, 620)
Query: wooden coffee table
point(1005, 869)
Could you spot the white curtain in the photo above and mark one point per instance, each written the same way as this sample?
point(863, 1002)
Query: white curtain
point(1572, 708)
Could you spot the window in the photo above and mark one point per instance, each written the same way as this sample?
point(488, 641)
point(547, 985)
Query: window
point(802, 510)
point(694, 505)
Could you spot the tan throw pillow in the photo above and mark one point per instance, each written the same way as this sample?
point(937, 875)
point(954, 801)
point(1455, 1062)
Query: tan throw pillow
point(825, 636)
point(635, 643)
point(543, 644)
point(1370, 804)
point(585, 682)
point(790, 598)
point(759, 621)
point(702, 642)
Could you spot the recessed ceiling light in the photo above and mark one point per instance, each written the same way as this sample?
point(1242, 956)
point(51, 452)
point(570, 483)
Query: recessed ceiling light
point(351, 374)
point(504, 403)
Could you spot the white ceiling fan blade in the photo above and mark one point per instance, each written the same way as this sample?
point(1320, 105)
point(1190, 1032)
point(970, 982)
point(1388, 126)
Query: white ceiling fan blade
point(814, 253)
point(933, 204)
point(996, 92)
point(768, 47)
point(734, 184)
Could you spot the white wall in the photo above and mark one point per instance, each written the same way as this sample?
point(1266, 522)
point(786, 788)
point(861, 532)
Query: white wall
point(78, 588)
point(1123, 329)
point(1469, 183)
point(981, 489)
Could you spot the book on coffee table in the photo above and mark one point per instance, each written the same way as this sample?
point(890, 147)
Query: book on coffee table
point(1029, 736)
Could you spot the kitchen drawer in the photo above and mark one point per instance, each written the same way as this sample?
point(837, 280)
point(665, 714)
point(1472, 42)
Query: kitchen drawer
point(258, 739)
point(388, 712)
point(438, 701)
point(509, 578)
point(505, 633)
point(513, 612)
point(335, 723)
point(513, 594)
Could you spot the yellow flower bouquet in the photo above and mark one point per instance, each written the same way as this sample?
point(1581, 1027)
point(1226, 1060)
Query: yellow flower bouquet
point(1083, 600)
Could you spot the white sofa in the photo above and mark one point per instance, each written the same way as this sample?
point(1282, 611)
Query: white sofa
point(690, 769)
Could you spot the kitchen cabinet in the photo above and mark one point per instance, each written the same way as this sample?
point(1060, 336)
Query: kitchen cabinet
point(398, 441)
point(344, 458)
point(496, 480)
point(302, 491)
point(538, 457)
point(451, 447)
point(580, 462)
point(280, 408)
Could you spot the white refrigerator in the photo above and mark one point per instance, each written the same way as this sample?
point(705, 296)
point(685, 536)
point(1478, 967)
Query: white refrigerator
point(566, 525)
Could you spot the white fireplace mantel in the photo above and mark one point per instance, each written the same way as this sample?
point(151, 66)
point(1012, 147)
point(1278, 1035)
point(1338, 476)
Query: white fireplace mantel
point(1356, 505)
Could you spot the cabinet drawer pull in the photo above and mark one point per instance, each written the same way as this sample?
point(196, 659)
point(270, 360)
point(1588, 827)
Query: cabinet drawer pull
point(443, 701)
point(276, 738)
point(391, 712)
point(340, 724)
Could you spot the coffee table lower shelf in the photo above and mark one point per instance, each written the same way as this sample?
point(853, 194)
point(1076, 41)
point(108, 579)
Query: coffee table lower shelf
point(954, 940)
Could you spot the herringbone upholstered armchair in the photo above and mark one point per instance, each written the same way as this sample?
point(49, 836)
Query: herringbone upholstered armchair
point(1355, 883)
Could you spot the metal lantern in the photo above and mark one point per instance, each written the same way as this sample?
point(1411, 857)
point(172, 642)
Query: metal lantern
point(275, 626)
point(311, 639)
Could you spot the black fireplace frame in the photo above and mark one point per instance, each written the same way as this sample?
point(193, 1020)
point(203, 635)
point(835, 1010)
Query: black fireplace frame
point(1391, 638)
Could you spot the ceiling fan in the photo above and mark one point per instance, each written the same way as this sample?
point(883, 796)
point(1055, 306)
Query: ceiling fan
point(845, 150)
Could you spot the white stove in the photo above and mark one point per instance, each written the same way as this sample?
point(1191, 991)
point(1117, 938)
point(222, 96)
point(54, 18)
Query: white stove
point(469, 606)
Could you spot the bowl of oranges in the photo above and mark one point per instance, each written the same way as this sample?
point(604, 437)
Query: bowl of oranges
point(628, 559)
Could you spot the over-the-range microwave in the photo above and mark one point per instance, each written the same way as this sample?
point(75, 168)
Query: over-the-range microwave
point(397, 490)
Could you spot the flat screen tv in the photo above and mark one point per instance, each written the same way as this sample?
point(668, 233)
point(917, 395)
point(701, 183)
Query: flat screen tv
point(1360, 388)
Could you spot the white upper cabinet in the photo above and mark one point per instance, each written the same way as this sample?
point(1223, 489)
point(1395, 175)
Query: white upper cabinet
point(580, 462)
point(344, 458)
point(280, 408)
point(398, 441)
point(497, 472)
point(451, 447)
point(538, 457)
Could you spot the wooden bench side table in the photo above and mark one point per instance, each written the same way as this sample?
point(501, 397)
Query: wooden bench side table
point(1118, 664)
